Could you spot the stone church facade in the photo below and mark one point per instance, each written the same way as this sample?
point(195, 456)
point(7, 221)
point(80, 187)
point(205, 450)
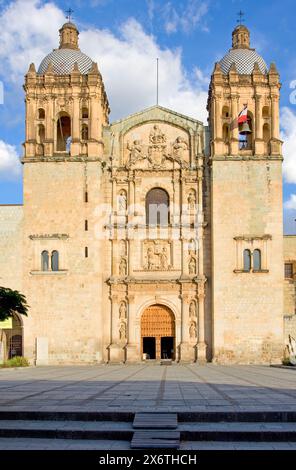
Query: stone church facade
point(154, 236)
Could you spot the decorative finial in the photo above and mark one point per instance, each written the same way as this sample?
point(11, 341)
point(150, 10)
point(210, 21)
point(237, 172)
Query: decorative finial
point(69, 14)
point(240, 17)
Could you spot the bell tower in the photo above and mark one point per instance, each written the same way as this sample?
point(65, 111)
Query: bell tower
point(246, 198)
point(66, 103)
point(66, 111)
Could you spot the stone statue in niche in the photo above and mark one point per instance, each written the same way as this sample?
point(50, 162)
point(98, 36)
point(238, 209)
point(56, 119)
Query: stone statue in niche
point(191, 200)
point(122, 266)
point(122, 332)
point(122, 311)
point(192, 330)
point(179, 147)
point(157, 136)
point(136, 151)
point(192, 265)
point(122, 201)
point(192, 310)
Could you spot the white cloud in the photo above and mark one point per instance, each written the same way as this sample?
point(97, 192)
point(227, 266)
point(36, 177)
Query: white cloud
point(29, 30)
point(10, 166)
point(288, 124)
point(126, 59)
point(128, 66)
point(291, 203)
point(185, 18)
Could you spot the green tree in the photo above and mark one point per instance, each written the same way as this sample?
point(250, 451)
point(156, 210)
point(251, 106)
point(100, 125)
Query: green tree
point(12, 301)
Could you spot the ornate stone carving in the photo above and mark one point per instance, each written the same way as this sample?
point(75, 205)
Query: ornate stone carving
point(179, 147)
point(122, 201)
point(136, 151)
point(51, 236)
point(191, 200)
point(123, 266)
point(157, 136)
point(122, 311)
point(157, 255)
point(192, 265)
point(192, 310)
point(192, 330)
point(157, 148)
point(122, 332)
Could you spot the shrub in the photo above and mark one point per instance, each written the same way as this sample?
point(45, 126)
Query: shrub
point(16, 361)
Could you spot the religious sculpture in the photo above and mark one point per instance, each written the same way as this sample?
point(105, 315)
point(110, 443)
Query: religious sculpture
point(163, 256)
point(192, 330)
point(179, 147)
point(192, 265)
point(122, 332)
point(135, 151)
point(122, 201)
point(157, 136)
point(191, 200)
point(122, 311)
point(122, 266)
point(150, 258)
point(192, 310)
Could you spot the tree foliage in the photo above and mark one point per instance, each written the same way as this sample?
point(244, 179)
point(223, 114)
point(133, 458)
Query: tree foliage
point(12, 301)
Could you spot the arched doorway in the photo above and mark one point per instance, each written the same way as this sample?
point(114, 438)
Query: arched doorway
point(12, 337)
point(158, 333)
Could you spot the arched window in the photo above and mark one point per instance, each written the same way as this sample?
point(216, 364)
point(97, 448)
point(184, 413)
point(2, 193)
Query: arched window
point(84, 113)
point(247, 261)
point(55, 261)
point(63, 131)
point(84, 132)
point(226, 133)
point(44, 261)
point(257, 260)
point(225, 112)
point(157, 207)
point(40, 134)
point(41, 113)
point(265, 112)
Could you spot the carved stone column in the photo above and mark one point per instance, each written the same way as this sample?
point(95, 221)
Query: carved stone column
point(274, 117)
point(234, 130)
point(187, 350)
point(133, 346)
point(201, 346)
point(116, 348)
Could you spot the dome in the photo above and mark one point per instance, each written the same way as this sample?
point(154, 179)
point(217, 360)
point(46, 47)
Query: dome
point(63, 61)
point(244, 60)
point(241, 55)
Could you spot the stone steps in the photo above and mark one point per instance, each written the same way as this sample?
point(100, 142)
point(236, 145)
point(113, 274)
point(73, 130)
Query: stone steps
point(191, 430)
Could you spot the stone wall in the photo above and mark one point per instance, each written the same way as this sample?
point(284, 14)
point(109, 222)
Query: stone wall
point(11, 246)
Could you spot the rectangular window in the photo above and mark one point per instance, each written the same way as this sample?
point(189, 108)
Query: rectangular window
point(86, 252)
point(288, 270)
point(86, 225)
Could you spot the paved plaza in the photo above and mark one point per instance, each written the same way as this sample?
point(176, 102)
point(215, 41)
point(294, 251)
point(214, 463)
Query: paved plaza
point(145, 387)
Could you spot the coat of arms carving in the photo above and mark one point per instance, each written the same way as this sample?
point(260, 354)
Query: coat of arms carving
point(158, 150)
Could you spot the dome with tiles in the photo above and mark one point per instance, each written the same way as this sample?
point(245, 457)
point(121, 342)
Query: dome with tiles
point(62, 60)
point(241, 55)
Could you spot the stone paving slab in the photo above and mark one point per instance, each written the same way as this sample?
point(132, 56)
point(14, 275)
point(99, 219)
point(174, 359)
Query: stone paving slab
point(148, 388)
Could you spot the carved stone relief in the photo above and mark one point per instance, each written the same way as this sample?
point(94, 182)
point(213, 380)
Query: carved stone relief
point(158, 144)
point(157, 255)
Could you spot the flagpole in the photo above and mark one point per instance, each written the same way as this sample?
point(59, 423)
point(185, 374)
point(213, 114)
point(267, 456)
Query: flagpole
point(157, 81)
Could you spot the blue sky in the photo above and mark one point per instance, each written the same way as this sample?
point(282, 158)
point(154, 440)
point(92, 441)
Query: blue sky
point(125, 37)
